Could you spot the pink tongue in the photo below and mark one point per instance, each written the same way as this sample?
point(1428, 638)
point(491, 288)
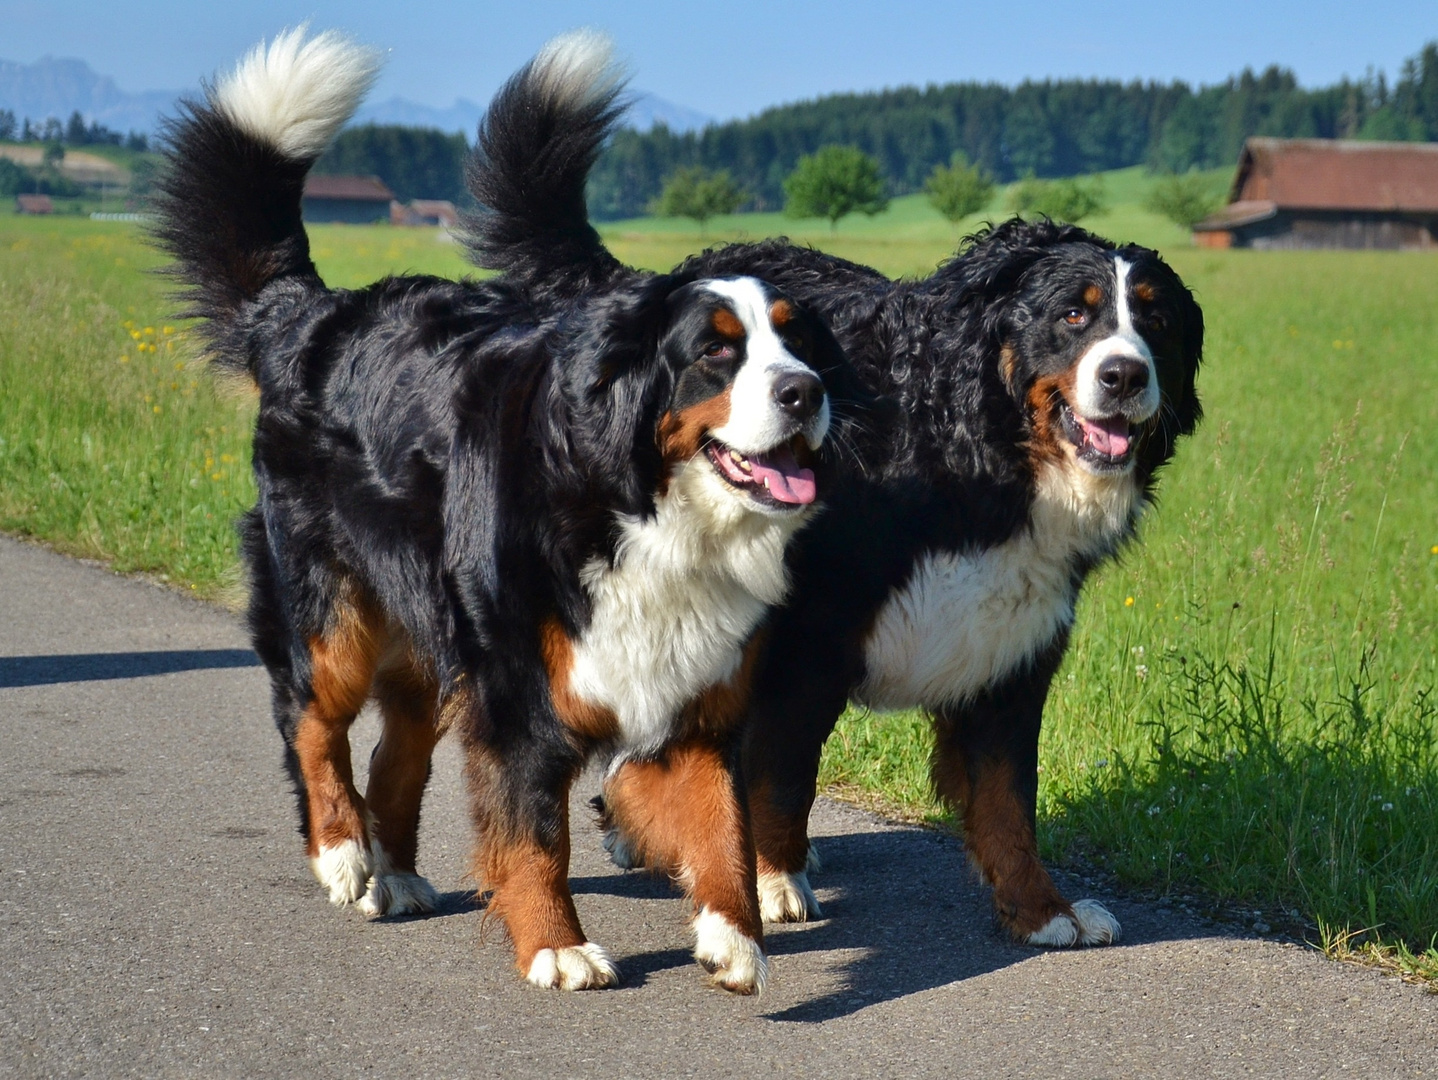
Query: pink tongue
point(1107, 436)
point(787, 482)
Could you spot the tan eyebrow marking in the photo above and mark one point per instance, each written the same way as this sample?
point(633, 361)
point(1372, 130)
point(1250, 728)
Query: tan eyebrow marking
point(727, 324)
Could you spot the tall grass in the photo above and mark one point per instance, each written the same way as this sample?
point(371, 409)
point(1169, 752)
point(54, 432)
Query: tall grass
point(113, 444)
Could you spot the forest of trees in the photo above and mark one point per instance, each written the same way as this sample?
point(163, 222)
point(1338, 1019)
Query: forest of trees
point(415, 163)
point(1046, 129)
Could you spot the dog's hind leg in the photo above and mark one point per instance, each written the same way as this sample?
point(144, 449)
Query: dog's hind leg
point(341, 667)
point(684, 811)
point(399, 770)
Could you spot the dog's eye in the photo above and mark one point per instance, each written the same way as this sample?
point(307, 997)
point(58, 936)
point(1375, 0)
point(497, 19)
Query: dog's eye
point(1076, 317)
point(719, 350)
point(1157, 321)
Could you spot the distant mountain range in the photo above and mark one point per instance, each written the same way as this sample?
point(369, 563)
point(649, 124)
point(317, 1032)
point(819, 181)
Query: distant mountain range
point(646, 111)
point(59, 87)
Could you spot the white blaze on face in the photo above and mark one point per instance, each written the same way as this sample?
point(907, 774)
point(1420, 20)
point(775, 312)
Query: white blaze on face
point(1126, 342)
point(756, 422)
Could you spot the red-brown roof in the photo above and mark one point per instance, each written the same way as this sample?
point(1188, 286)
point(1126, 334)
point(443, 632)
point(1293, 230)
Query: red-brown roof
point(34, 204)
point(1338, 174)
point(370, 188)
point(1249, 212)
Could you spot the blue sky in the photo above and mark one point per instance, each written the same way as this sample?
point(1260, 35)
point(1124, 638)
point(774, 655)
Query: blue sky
point(735, 57)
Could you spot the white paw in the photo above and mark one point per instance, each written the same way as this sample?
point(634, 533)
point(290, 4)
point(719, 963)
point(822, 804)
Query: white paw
point(734, 959)
point(787, 898)
point(575, 967)
point(1091, 924)
point(343, 870)
point(1097, 926)
point(398, 894)
point(621, 854)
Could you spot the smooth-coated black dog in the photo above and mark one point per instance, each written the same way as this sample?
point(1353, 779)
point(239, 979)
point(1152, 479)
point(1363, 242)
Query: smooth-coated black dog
point(1043, 377)
point(551, 520)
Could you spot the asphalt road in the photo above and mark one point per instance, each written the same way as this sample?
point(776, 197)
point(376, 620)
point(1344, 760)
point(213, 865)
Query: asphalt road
point(157, 919)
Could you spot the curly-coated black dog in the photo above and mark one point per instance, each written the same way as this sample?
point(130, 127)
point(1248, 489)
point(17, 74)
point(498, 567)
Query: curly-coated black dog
point(1043, 377)
point(550, 520)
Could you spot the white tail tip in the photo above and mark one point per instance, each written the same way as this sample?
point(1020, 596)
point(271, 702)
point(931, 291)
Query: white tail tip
point(295, 94)
point(578, 67)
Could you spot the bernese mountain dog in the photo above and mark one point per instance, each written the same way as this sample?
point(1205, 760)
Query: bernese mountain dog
point(551, 522)
point(1043, 377)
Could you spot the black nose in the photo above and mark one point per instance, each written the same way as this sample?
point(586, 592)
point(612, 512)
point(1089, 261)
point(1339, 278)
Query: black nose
point(800, 394)
point(1123, 376)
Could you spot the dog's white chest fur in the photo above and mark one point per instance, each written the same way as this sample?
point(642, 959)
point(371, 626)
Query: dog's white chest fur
point(965, 620)
point(672, 616)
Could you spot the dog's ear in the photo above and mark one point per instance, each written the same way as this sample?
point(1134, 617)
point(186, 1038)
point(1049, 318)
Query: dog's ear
point(618, 338)
point(614, 382)
point(1190, 411)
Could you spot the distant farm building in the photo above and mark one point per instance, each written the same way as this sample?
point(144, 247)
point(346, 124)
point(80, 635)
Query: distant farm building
point(424, 212)
point(1329, 193)
point(34, 204)
point(356, 200)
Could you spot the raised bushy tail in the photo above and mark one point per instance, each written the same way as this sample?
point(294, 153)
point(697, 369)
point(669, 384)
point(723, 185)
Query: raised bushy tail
point(537, 143)
point(228, 207)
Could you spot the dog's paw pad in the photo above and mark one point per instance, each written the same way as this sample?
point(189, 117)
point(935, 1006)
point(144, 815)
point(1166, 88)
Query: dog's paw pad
point(733, 959)
point(398, 894)
point(575, 967)
point(343, 870)
point(787, 898)
point(1090, 924)
point(1097, 926)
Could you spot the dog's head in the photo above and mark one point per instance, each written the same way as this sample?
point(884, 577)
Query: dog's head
point(732, 387)
point(1098, 346)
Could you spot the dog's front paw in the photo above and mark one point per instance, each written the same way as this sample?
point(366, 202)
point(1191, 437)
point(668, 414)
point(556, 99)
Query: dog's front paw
point(343, 871)
point(787, 897)
point(398, 894)
point(575, 967)
point(1090, 924)
point(733, 959)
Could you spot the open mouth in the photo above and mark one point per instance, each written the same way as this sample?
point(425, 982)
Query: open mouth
point(774, 478)
point(1105, 442)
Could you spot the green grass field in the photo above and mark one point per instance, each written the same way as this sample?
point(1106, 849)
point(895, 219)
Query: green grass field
point(1247, 715)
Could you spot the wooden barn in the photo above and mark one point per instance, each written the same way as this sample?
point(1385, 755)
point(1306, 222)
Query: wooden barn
point(424, 212)
point(1329, 193)
point(356, 200)
point(34, 204)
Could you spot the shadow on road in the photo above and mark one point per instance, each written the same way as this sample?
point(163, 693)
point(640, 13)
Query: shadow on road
point(90, 667)
point(903, 912)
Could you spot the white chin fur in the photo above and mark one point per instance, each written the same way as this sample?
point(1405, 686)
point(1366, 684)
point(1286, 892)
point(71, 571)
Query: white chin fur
point(575, 967)
point(295, 94)
point(1092, 924)
point(733, 959)
point(343, 871)
point(787, 898)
